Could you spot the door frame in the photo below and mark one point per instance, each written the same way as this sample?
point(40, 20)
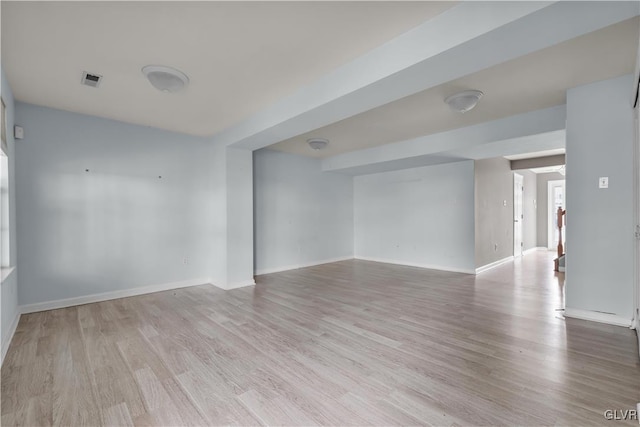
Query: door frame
point(518, 223)
point(552, 216)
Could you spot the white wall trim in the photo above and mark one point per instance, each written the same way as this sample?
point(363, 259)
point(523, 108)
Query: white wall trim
point(12, 330)
point(535, 249)
point(105, 296)
point(410, 264)
point(494, 264)
point(236, 285)
point(296, 266)
point(597, 316)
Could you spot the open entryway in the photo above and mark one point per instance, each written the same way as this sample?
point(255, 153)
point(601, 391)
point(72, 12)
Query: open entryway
point(539, 204)
point(556, 193)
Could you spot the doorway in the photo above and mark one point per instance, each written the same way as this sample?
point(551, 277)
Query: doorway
point(518, 217)
point(556, 193)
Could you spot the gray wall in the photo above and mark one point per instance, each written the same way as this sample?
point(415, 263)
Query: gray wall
point(543, 204)
point(117, 226)
point(239, 189)
point(302, 215)
point(422, 216)
point(600, 222)
point(529, 209)
point(494, 220)
point(9, 291)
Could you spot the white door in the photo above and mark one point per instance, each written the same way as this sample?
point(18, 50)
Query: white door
point(557, 199)
point(518, 217)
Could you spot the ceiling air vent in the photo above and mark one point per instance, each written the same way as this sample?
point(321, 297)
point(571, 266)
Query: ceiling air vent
point(90, 79)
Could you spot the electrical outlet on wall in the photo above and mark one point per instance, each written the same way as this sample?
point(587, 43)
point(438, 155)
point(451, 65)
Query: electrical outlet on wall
point(495, 247)
point(603, 182)
point(185, 261)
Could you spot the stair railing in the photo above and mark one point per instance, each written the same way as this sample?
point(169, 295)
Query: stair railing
point(560, 222)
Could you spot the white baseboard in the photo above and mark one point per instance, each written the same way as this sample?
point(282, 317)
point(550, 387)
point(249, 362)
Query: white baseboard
point(535, 249)
point(493, 264)
point(12, 330)
point(105, 296)
point(296, 266)
point(410, 264)
point(236, 285)
point(597, 316)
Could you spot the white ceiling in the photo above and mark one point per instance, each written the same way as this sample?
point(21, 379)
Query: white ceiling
point(243, 58)
point(239, 56)
point(531, 82)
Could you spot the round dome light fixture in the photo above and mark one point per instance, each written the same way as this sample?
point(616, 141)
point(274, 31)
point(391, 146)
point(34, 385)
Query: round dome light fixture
point(464, 101)
point(317, 143)
point(165, 79)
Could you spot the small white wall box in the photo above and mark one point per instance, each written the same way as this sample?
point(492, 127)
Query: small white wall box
point(18, 132)
point(603, 182)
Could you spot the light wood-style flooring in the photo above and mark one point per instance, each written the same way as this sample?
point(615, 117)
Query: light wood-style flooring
point(348, 343)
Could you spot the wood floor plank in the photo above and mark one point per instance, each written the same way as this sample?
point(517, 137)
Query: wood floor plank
point(347, 343)
point(118, 415)
point(191, 414)
point(277, 411)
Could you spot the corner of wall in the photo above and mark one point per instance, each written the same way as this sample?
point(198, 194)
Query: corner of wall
point(9, 287)
point(8, 336)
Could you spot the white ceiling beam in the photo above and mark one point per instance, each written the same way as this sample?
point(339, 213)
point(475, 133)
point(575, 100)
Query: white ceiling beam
point(528, 132)
point(515, 146)
point(464, 39)
point(538, 162)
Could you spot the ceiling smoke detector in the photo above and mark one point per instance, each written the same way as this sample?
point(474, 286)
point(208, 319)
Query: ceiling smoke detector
point(165, 79)
point(317, 143)
point(463, 101)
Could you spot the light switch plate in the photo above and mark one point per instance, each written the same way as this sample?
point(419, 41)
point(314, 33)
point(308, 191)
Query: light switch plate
point(18, 132)
point(603, 182)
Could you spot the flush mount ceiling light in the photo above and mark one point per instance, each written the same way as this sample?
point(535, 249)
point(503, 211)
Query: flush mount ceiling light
point(165, 79)
point(464, 101)
point(317, 143)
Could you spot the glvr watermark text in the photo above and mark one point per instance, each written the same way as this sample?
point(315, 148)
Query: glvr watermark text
point(621, 415)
